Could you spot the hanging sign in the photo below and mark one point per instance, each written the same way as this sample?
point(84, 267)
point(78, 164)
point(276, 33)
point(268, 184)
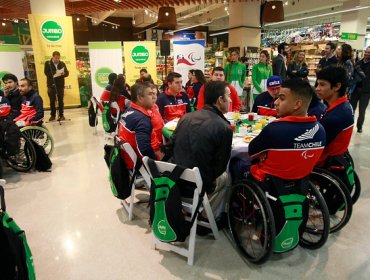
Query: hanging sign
point(349, 36)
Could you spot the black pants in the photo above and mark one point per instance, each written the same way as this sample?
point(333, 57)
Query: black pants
point(53, 94)
point(363, 100)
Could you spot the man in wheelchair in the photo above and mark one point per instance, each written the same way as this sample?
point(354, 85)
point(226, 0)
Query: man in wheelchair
point(32, 112)
point(338, 121)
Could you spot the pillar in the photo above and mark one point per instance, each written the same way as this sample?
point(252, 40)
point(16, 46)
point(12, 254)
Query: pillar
point(244, 24)
point(354, 22)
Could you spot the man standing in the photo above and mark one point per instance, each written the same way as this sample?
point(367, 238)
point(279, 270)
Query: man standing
point(218, 74)
point(12, 94)
point(203, 138)
point(236, 72)
point(329, 58)
point(55, 71)
point(174, 101)
point(361, 94)
point(264, 103)
point(279, 62)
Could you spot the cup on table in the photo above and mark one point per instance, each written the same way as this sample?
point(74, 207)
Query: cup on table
point(250, 117)
point(233, 127)
point(263, 121)
point(258, 126)
point(236, 115)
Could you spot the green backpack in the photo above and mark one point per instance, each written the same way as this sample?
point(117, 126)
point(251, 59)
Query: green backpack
point(109, 124)
point(16, 260)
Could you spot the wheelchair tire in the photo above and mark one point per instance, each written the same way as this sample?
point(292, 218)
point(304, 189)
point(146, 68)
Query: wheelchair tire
point(251, 222)
point(41, 136)
point(330, 186)
point(314, 235)
point(25, 159)
point(355, 194)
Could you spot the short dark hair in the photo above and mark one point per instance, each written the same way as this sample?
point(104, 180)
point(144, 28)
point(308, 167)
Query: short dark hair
point(213, 90)
point(346, 53)
point(172, 76)
point(191, 71)
point(218, 68)
point(281, 47)
point(10, 77)
point(143, 70)
point(138, 89)
point(111, 78)
point(147, 78)
point(56, 53)
point(334, 75)
point(28, 81)
point(332, 45)
point(300, 89)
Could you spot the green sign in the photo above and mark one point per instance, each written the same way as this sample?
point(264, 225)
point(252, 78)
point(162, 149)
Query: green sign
point(51, 31)
point(101, 76)
point(349, 36)
point(140, 54)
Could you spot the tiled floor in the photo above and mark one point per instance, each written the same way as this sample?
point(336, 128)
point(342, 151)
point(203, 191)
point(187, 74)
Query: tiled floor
point(78, 230)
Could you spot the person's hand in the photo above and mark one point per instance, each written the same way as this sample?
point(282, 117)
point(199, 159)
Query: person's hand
point(159, 154)
point(6, 91)
point(20, 123)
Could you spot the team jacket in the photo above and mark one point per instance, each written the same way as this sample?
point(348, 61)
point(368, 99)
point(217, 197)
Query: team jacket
point(316, 108)
point(338, 122)
point(15, 100)
point(105, 97)
point(138, 120)
point(235, 100)
point(157, 123)
point(32, 111)
point(264, 105)
point(172, 107)
point(292, 146)
point(5, 108)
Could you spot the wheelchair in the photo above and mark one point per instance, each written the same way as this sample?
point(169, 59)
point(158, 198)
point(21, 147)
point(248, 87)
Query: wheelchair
point(336, 195)
point(257, 230)
point(25, 159)
point(41, 135)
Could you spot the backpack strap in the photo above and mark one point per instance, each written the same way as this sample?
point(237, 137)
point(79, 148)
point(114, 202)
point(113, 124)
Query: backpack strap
point(2, 199)
point(153, 168)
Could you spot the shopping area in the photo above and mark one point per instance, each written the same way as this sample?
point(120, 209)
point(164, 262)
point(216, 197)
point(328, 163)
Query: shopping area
point(75, 227)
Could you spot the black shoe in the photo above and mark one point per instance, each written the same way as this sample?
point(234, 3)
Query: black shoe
point(61, 118)
point(52, 118)
point(359, 130)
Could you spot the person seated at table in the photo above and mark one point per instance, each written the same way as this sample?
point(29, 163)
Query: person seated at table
point(338, 119)
point(111, 78)
point(218, 74)
point(173, 102)
point(115, 95)
point(203, 138)
point(157, 122)
point(264, 103)
point(288, 148)
point(5, 108)
point(11, 92)
point(32, 112)
point(137, 119)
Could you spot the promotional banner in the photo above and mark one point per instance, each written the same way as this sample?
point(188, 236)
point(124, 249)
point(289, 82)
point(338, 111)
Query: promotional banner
point(139, 55)
point(188, 55)
point(105, 58)
point(10, 62)
point(49, 34)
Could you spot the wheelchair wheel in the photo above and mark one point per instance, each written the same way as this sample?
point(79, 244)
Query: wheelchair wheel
point(26, 157)
point(356, 191)
point(317, 227)
point(336, 195)
point(41, 136)
point(251, 222)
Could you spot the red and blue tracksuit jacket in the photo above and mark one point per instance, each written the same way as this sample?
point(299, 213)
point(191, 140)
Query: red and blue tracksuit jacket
point(338, 121)
point(172, 107)
point(264, 105)
point(138, 120)
point(32, 111)
point(5, 107)
point(288, 148)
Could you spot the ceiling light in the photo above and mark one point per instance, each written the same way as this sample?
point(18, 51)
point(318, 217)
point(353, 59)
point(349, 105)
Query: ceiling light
point(146, 11)
point(3, 24)
point(78, 19)
point(166, 14)
point(273, 7)
point(117, 1)
point(286, 3)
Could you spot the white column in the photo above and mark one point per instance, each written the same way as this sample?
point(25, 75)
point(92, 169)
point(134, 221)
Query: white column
point(49, 7)
point(355, 22)
point(245, 18)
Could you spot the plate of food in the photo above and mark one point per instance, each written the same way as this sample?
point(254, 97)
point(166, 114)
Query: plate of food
point(248, 139)
point(171, 125)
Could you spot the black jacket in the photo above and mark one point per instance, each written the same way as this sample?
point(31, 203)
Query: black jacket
point(50, 70)
point(301, 70)
point(15, 100)
point(203, 139)
point(364, 85)
point(278, 67)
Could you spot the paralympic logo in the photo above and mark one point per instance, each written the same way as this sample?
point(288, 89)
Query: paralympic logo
point(190, 60)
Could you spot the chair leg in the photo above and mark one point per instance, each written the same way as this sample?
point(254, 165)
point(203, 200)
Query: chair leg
point(191, 247)
point(210, 217)
point(154, 241)
point(132, 196)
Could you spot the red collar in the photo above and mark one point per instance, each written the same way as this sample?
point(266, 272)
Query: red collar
point(141, 109)
point(337, 103)
point(168, 93)
point(297, 119)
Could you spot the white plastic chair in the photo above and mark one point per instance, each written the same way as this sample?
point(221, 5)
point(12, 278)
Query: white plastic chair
point(129, 205)
point(95, 103)
point(189, 205)
point(111, 135)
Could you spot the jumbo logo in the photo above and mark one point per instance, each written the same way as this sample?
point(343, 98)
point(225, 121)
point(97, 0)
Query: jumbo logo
point(101, 76)
point(140, 54)
point(52, 31)
point(287, 243)
point(161, 227)
point(191, 60)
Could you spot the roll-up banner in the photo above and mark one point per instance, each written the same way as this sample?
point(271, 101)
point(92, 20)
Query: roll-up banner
point(105, 58)
point(10, 62)
point(188, 54)
point(139, 55)
point(49, 34)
